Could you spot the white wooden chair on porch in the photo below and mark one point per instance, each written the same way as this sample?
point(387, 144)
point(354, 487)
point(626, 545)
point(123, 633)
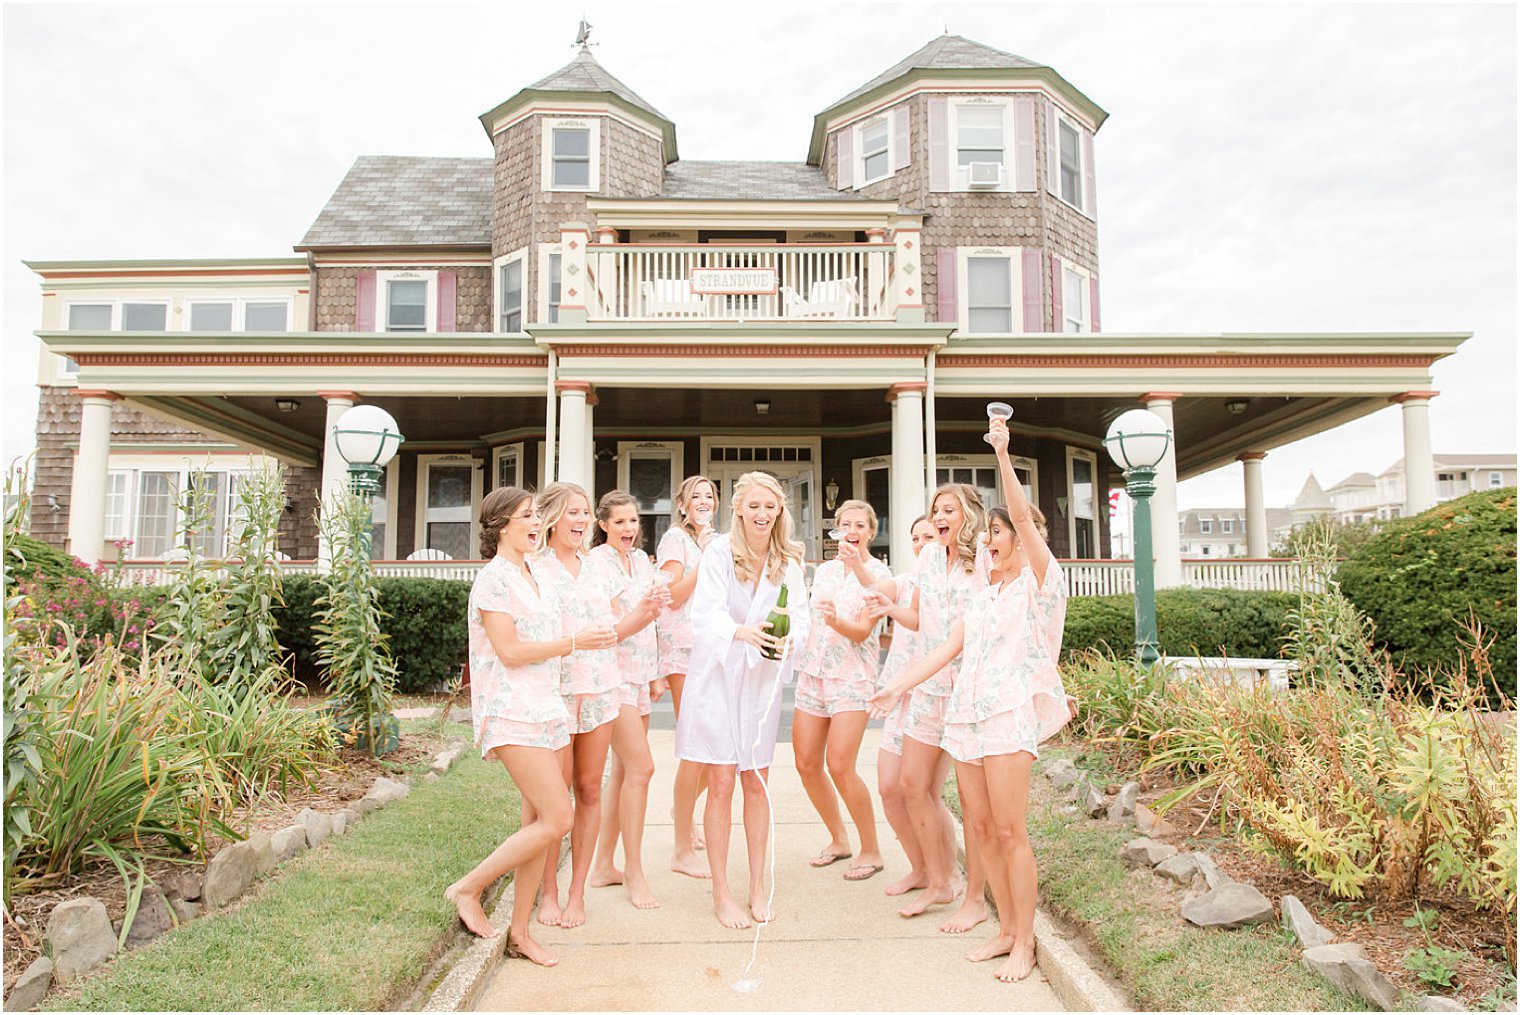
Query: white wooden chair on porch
point(834, 297)
point(428, 553)
point(671, 297)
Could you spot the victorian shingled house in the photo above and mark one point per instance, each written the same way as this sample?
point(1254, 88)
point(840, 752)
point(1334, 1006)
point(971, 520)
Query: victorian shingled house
point(582, 303)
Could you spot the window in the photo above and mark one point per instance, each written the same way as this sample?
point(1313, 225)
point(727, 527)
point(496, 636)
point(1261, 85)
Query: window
point(90, 317)
point(1074, 300)
point(651, 472)
point(211, 316)
point(989, 295)
point(509, 466)
point(875, 160)
point(118, 490)
point(144, 317)
point(554, 288)
point(1205, 525)
point(157, 514)
point(1082, 501)
point(208, 539)
point(1227, 525)
point(509, 291)
point(447, 496)
point(266, 316)
point(405, 306)
point(978, 135)
point(1204, 549)
point(571, 154)
point(1495, 479)
point(1070, 140)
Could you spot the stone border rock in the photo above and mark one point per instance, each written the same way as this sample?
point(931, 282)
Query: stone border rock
point(75, 939)
point(464, 981)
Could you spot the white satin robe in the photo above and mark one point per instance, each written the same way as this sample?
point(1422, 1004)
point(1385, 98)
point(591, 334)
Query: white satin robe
point(731, 704)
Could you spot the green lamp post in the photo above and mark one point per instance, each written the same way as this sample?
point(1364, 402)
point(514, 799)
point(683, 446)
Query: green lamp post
point(367, 438)
point(1137, 441)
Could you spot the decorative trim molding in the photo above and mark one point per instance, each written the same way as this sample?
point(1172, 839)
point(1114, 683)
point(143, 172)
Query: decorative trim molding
point(1250, 456)
point(1412, 396)
point(948, 359)
point(1161, 396)
point(96, 393)
point(724, 351)
point(308, 360)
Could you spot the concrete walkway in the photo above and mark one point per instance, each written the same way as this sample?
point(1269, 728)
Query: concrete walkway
point(835, 945)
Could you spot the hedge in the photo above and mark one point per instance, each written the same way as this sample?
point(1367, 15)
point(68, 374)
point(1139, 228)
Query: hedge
point(423, 617)
point(1209, 622)
point(1421, 576)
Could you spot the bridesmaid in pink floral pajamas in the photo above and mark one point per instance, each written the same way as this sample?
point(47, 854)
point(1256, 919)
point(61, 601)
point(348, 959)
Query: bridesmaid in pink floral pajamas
point(680, 556)
point(836, 675)
point(516, 642)
point(590, 684)
point(1007, 699)
point(636, 601)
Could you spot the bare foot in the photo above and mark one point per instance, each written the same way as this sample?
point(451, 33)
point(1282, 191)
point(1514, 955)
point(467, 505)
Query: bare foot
point(548, 909)
point(1019, 965)
point(470, 913)
point(991, 949)
point(638, 892)
point(759, 908)
point(574, 914)
point(914, 879)
point(730, 913)
point(973, 911)
point(929, 897)
point(690, 864)
point(525, 947)
point(605, 877)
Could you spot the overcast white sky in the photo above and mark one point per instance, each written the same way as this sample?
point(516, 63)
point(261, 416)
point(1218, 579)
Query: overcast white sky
point(1311, 168)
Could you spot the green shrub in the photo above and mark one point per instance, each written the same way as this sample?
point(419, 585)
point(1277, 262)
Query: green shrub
point(1419, 579)
point(424, 618)
point(1249, 625)
point(39, 561)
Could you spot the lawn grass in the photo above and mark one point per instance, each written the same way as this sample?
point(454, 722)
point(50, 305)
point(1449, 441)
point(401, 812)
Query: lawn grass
point(349, 926)
point(1132, 919)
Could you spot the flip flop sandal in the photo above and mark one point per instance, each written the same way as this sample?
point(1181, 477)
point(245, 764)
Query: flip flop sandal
point(871, 870)
point(825, 859)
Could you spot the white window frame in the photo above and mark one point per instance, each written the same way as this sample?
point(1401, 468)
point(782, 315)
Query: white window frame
point(1227, 526)
point(593, 124)
point(126, 480)
point(860, 466)
point(1206, 526)
point(889, 150)
point(960, 176)
point(383, 279)
point(547, 308)
point(119, 314)
point(130, 467)
point(498, 454)
point(1015, 258)
point(1081, 206)
point(521, 257)
point(239, 308)
point(1084, 322)
point(419, 520)
point(722, 473)
point(1091, 458)
point(1495, 480)
point(672, 451)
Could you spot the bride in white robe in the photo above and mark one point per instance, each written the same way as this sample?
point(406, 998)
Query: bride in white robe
point(731, 705)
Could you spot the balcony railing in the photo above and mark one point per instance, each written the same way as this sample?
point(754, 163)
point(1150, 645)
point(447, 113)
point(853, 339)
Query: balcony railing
point(1083, 577)
point(713, 282)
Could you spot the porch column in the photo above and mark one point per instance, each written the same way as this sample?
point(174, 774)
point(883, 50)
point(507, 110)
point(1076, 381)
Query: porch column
point(1256, 505)
point(573, 291)
point(1165, 544)
point(1419, 461)
point(907, 273)
point(590, 452)
point(907, 473)
point(334, 468)
point(574, 420)
point(87, 495)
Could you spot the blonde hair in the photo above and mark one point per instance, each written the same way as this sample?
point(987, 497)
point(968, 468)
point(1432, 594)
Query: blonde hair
point(857, 505)
point(783, 549)
point(552, 502)
point(973, 519)
point(684, 494)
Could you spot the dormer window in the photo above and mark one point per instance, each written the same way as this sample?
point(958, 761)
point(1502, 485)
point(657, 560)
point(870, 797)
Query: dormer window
point(875, 161)
point(407, 300)
point(570, 154)
point(1071, 164)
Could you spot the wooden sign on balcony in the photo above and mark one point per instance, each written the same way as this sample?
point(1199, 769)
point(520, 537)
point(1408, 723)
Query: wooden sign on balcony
point(734, 281)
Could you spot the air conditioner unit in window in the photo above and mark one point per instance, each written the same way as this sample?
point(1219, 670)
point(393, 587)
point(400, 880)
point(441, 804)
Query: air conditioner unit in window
point(984, 175)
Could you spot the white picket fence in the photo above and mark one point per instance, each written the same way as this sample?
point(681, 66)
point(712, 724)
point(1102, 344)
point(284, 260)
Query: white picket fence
point(1083, 577)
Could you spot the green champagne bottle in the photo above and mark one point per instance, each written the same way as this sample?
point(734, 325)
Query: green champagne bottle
point(781, 624)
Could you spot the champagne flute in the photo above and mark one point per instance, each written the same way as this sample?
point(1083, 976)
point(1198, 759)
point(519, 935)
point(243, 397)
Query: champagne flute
point(997, 410)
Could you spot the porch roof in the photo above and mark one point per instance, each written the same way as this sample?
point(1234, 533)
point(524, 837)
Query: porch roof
point(750, 181)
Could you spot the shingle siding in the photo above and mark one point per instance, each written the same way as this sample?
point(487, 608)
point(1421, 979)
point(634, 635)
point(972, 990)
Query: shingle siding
point(333, 290)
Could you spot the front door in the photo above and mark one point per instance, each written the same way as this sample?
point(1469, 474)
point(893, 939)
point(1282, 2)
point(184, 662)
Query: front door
point(797, 479)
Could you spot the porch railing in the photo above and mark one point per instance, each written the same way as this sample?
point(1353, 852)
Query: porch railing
point(718, 282)
point(1083, 577)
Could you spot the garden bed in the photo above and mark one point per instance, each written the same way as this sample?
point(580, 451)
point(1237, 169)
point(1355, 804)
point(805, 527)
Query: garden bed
point(336, 786)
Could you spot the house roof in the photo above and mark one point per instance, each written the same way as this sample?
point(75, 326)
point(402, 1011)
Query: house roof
point(944, 53)
point(750, 181)
point(1355, 479)
point(403, 201)
point(584, 74)
point(1312, 497)
point(1497, 459)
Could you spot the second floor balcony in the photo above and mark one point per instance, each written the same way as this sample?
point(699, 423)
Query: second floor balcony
point(749, 282)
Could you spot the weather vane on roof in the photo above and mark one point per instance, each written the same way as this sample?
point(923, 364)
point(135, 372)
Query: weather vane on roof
point(583, 34)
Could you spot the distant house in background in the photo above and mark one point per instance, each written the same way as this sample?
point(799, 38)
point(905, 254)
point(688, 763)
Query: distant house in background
point(1362, 497)
point(1311, 504)
point(1221, 532)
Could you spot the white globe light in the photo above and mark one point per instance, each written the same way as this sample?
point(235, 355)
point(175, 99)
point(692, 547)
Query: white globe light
point(367, 435)
point(1138, 439)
